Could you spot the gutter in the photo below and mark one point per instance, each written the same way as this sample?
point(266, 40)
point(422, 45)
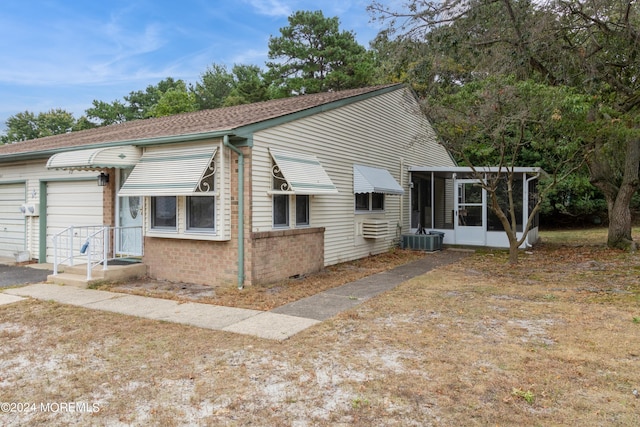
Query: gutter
point(225, 141)
point(29, 155)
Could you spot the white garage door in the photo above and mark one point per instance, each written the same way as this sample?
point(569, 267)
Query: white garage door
point(12, 221)
point(74, 203)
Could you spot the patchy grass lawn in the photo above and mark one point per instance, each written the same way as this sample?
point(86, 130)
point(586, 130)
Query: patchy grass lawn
point(270, 296)
point(551, 341)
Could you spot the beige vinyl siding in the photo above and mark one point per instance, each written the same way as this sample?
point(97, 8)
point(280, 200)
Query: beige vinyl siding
point(12, 221)
point(32, 173)
point(223, 178)
point(386, 131)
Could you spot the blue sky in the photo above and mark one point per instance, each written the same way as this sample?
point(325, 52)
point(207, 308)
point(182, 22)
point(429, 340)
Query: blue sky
point(66, 53)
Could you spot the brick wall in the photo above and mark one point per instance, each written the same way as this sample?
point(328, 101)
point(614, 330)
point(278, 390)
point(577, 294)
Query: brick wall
point(108, 199)
point(109, 203)
point(191, 261)
point(285, 253)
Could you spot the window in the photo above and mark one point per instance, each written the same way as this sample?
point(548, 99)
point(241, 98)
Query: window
point(201, 213)
point(367, 202)
point(163, 212)
point(377, 201)
point(362, 201)
point(302, 210)
point(281, 210)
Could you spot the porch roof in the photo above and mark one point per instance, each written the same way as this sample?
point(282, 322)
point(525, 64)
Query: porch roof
point(478, 169)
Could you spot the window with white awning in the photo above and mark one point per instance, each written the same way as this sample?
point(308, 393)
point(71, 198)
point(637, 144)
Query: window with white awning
point(172, 172)
point(301, 173)
point(367, 179)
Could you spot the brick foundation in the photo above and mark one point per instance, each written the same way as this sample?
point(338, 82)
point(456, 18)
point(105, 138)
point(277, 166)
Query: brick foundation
point(282, 254)
point(191, 261)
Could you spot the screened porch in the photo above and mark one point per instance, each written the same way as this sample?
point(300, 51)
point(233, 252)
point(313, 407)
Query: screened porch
point(452, 201)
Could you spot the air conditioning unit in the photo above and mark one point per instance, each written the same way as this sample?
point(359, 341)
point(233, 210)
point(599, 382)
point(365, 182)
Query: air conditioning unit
point(374, 229)
point(423, 242)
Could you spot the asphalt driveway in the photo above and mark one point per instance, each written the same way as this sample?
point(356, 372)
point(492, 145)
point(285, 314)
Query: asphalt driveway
point(11, 275)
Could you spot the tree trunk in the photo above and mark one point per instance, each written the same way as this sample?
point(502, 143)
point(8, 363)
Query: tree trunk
point(618, 197)
point(513, 252)
point(619, 234)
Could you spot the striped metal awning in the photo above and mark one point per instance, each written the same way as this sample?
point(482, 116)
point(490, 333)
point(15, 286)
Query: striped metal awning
point(125, 156)
point(367, 179)
point(177, 171)
point(303, 173)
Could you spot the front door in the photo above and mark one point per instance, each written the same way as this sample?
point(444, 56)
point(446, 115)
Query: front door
point(129, 227)
point(470, 212)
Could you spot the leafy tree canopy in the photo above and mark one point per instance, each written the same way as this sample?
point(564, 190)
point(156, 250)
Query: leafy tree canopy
point(214, 87)
point(27, 125)
point(175, 100)
point(312, 55)
point(592, 47)
point(136, 105)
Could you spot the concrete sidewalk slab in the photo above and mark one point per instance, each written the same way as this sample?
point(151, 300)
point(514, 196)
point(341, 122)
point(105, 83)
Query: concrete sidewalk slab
point(203, 316)
point(237, 320)
point(318, 307)
point(63, 294)
point(368, 287)
point(135, 305)
point(9, 299)
point(270, 325)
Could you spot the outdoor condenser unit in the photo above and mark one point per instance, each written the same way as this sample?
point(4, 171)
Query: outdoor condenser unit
point(423, 242)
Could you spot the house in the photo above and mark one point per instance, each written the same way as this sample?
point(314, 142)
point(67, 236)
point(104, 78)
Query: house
point(247, 194)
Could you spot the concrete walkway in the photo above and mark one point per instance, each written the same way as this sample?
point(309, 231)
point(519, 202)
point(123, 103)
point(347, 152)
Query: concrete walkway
point(278, 324)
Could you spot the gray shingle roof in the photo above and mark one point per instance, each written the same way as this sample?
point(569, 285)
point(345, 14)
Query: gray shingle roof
point(206, 121)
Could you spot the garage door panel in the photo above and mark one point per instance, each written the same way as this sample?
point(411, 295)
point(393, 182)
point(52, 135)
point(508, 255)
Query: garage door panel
point(12, 221)
point(76, 203)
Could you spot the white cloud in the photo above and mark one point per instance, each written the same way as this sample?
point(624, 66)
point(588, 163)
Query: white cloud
point(271, 7)
point(250, 57)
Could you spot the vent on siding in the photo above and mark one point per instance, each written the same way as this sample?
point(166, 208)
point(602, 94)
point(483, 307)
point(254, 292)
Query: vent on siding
point(374, 229)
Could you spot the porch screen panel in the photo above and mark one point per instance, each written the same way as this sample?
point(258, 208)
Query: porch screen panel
point(170, 172)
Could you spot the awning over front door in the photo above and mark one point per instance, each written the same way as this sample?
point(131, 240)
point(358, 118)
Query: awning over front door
point(172, 172)
point(303, 173)
point(367, 179)
point(96, 158)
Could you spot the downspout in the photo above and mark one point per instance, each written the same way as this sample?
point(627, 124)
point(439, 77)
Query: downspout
point(225, 140)
point(401, 224)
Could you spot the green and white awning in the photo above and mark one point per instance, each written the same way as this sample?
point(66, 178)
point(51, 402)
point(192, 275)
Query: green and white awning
point(303, 173)
point(172, 172)
point(96, 158)
point(367, 179)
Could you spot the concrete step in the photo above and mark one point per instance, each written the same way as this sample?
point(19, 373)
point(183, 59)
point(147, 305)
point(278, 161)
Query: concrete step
point(77, 275)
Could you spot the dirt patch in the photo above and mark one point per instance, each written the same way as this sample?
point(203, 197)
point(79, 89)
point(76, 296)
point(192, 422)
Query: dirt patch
point(474, 343)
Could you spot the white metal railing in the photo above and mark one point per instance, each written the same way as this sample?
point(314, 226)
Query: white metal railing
point(90, 244)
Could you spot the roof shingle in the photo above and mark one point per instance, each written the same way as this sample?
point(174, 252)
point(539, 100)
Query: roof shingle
point(220, 119)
